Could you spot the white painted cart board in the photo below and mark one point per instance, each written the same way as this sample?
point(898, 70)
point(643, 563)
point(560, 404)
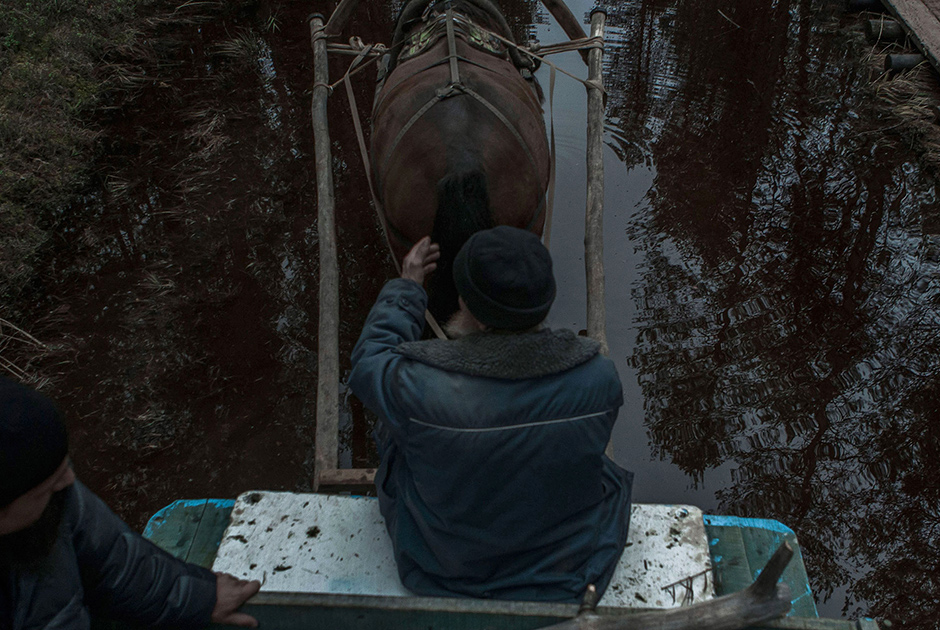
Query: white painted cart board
point(318, 543)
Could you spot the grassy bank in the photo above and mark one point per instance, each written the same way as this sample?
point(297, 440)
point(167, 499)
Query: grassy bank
point(910, 101)
point(53, 78)
point(63, 65)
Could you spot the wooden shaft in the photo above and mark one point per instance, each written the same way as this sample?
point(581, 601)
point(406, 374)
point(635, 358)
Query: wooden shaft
point(347, 479)
point(327, 446)
point(340, 17)
point(568, 22)
point(594, 217)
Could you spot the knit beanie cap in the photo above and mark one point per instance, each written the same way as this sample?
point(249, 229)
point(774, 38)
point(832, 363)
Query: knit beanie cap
point(504, 276)
point(33, 440)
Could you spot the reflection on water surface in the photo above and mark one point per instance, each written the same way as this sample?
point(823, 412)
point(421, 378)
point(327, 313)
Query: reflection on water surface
point(773, 296)
point(787, 300)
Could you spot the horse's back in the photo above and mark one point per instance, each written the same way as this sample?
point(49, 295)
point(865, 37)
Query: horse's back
point(419, 138)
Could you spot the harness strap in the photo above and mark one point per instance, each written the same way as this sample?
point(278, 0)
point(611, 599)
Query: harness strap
point(515, 133)
point(550, 193)
point(590, 42)
point(452, 46)
point(439, 62)
point(411, 121)
point(360, 138)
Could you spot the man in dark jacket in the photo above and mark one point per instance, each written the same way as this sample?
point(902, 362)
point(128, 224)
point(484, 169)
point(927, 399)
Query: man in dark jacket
point(493, 480)
point(65, 557)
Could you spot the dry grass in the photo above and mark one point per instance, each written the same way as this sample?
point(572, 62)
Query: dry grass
point(913, 98)
point(910, 99)
point(62, 63)
point(244, 47)
point(13, 342)
point(51, 58)
point(206, 132)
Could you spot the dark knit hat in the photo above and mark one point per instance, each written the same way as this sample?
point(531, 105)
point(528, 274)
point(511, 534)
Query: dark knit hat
point(33, 440)
point(504, 276)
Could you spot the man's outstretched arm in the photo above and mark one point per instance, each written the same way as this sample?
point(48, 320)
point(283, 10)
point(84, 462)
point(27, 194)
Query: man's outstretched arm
point(421, 260)
point(130, 578)
point(396, 317)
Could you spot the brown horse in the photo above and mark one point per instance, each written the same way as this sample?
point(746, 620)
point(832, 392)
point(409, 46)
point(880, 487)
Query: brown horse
point(458, 136)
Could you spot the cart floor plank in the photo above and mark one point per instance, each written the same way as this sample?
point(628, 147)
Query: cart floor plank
point(314, 543)
point(193, 531)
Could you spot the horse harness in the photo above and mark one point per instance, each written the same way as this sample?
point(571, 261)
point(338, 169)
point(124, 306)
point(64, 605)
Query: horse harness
point(448, 24)
point(437, 28)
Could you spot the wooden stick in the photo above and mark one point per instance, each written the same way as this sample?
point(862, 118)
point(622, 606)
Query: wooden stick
point(327, 446)
point(568, 22)
point(762, 601)
point(899, 62)
point(885, 31)
point(594, 218)
point(340, 17)
point(594, 215)
point(347, 479)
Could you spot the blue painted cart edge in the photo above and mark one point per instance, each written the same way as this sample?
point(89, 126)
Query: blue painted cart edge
point(740, 548)
point(192, 530)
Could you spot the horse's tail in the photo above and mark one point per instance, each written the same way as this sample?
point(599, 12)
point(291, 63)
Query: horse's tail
point(463, 208)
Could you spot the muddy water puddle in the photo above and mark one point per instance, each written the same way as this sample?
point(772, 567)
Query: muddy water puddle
point(772, 295)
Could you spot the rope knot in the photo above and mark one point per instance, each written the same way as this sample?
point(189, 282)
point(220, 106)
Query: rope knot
point(329, 88)
point(452, 89)
point(595, 84)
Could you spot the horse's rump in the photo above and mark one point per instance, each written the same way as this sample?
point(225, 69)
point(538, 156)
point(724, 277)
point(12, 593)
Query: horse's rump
point(483, 135)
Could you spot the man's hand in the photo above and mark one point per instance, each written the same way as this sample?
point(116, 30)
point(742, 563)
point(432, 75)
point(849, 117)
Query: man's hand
point(421, 260)
point(230, 593)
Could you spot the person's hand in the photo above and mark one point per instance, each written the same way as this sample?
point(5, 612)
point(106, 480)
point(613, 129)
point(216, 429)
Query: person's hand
point(421, 260)
point(230, 593)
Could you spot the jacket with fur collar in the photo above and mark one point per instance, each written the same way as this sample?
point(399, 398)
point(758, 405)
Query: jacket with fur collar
point(493, 480)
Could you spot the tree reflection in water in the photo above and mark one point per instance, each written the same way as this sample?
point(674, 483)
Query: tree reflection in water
point(787, 300)
point(789, 303)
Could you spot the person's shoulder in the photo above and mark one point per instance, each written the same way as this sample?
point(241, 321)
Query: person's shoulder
point(603, 361)
point(601, 369)
point(84, 508)
point(400, 294)
point(401, 287)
